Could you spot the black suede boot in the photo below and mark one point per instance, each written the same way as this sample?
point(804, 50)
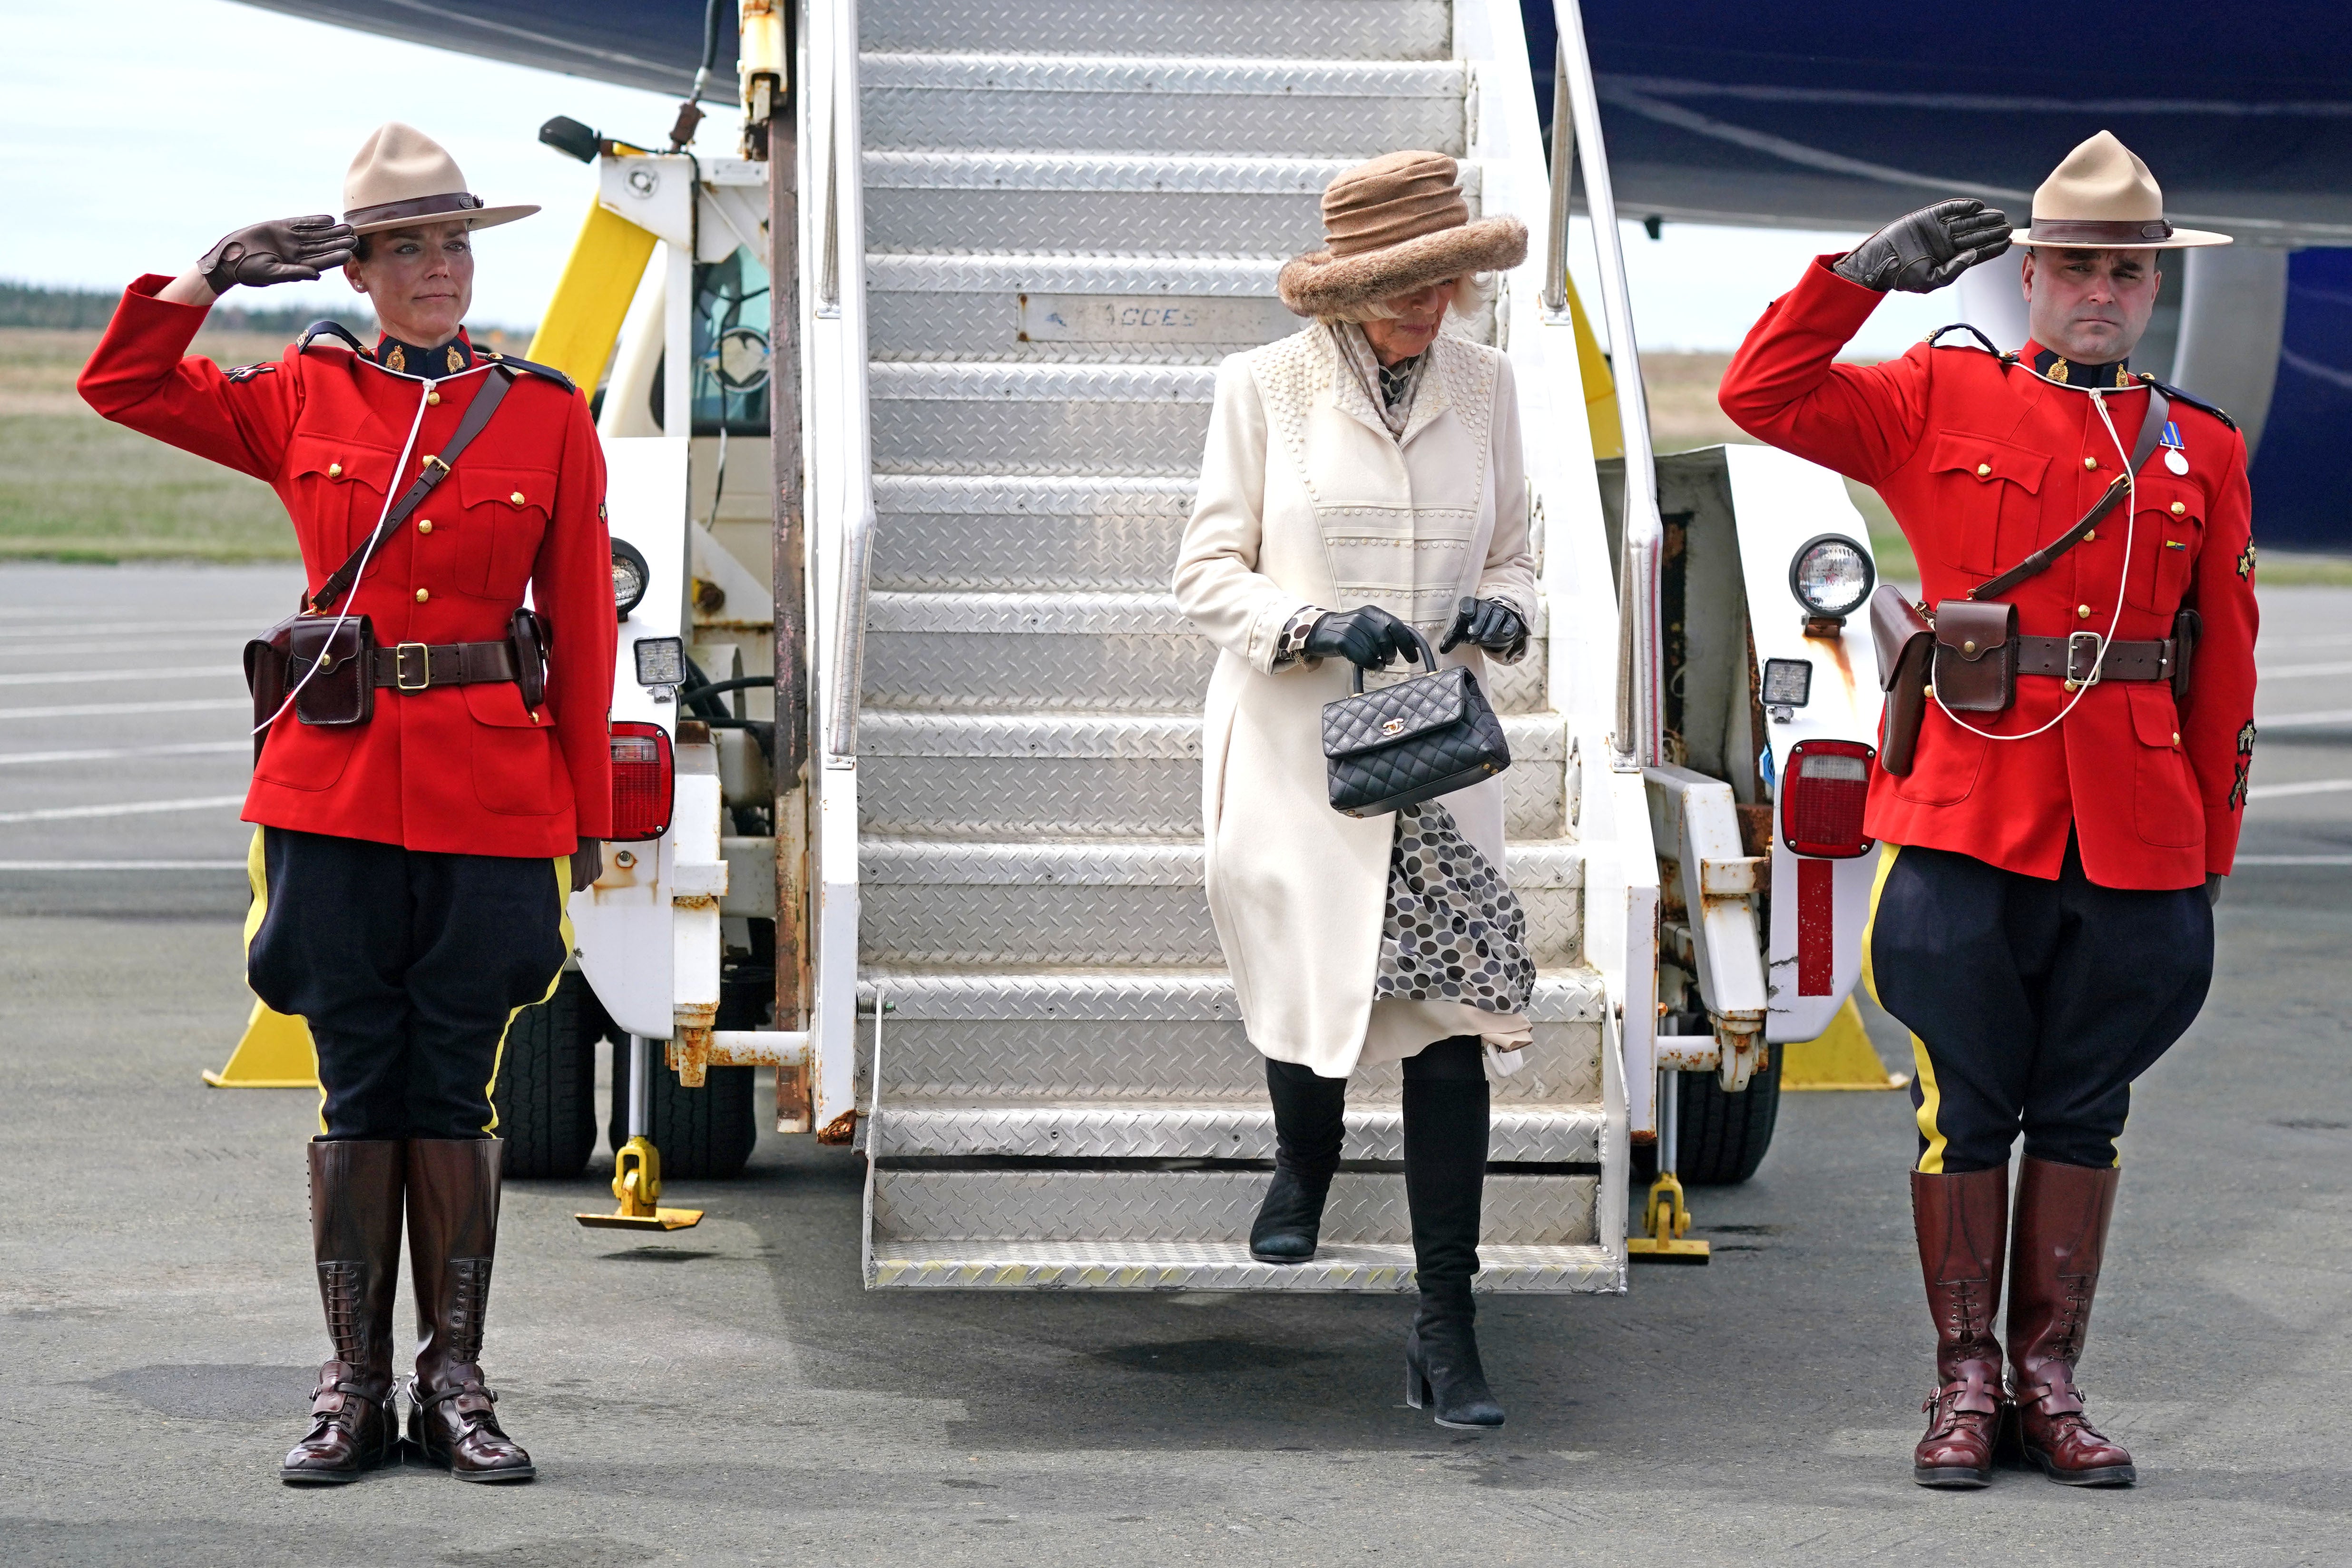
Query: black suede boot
point(1309, 1115)
point(1445, 1105)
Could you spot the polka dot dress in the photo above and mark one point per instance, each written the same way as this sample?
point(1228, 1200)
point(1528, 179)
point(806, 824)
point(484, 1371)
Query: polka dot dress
point(1455, 931)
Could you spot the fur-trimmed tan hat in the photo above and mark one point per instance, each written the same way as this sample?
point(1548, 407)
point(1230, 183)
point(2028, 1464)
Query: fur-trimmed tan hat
point(2103, 198)
point(1394, 225)
point(403, 176)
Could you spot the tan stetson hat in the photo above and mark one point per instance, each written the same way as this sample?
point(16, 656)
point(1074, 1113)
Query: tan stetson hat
point(402, 176)
point(1394, 225)
point(2103, 198)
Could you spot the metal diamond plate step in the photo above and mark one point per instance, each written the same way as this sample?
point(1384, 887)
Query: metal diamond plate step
point(1152, 1034)
point(1155, 309)
point(1009, 775)
point(1096, 103)
point(1097, 203)
point(1212, 1131)
point(1221, 1266)
point(1100, 652)
point(962, 418)
point(1006, 532)
point(1110, 902)
point(1327, 29)
point(1044, 1202)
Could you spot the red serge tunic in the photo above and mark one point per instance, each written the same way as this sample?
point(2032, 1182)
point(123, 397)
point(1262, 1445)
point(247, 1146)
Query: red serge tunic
point(457, 769)
point(1983, 463)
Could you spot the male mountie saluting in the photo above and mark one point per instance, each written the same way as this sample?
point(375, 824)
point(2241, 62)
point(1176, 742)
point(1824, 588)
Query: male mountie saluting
point(425, 803)
point(2044, 929)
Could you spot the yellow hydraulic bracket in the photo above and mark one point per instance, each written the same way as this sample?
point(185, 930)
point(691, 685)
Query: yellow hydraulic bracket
point(636, 1182)
point(1665, 1219)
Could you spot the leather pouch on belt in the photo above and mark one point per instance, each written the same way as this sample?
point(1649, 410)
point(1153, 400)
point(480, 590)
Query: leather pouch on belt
point(1976, 655)
point(342, 689)
point(1902, 635)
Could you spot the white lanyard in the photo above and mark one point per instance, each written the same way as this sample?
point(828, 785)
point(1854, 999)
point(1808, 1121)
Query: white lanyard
point(2123, 579)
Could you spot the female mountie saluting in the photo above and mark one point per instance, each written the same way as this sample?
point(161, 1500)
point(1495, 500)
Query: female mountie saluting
point(1371, 463)
point(436, 772)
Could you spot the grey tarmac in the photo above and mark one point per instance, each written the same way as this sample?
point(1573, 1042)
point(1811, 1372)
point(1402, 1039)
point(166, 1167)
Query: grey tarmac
point(728, 1395)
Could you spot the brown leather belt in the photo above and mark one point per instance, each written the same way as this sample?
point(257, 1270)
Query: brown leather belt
point(413, 665)
point(2072, 658)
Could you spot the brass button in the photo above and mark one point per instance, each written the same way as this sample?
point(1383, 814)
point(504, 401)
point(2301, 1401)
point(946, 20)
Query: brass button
point(2178, 510)
point(2073, 684)
point(1968, 647)
point(2084, 611)
point(432, 398)
point(2176, 737)
point(425, 525)
point(2089, 534)
point(2090, 462)
point(516, 497)
point(1984, 471)
point(425, 593)
point(334, 470)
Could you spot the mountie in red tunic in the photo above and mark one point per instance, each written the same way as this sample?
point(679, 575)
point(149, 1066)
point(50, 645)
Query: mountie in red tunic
point(1983, 462)
point(457, 769)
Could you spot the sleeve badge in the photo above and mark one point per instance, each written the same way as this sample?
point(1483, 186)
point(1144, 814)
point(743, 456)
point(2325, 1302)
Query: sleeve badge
point(2246, 561)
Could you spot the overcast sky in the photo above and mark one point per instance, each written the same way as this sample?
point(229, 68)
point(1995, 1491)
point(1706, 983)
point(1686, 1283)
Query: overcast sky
point(136, 133)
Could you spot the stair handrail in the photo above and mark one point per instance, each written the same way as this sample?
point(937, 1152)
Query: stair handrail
point(1641, 717)
point(848, 272)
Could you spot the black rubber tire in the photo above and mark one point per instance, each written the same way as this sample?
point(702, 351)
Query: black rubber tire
point(546, 1094)
point(1723, 1136)
point(703, 1134)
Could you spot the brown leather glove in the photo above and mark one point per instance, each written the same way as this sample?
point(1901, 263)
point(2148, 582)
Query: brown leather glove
point(283, 250)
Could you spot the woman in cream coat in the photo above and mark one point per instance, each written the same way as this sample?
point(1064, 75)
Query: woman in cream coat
point(1361, 475)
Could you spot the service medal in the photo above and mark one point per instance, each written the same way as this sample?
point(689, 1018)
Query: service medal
point(2174, 458)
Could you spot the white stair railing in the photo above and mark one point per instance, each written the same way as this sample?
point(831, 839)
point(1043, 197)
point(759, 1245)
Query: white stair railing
point(839, 430)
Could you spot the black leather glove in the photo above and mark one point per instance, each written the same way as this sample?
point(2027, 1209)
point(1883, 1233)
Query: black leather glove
point(283, 250)
point(1367, 635)
point(1490, 623)
point(2212, 889)
point(1924, 250)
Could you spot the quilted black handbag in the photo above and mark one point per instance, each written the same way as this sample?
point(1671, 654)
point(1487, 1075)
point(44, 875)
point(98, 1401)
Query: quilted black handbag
point(1402, 744)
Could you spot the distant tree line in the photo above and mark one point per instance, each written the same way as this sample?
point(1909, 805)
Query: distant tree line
point(31, 305)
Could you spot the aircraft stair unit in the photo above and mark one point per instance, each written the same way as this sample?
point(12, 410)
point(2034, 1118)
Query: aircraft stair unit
point(1071, 211)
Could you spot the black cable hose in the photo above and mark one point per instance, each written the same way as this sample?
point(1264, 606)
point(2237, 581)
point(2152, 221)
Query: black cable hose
point(712, 689)
point(711, 35)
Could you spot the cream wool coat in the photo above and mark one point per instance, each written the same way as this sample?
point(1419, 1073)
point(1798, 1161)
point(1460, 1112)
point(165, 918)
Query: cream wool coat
point(1305, 499)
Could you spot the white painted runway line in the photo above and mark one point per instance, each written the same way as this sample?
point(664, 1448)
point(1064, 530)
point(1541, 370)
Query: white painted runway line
point(122, 645)
point(112, 709)
point(125, 808)
point(2294, 861)
point(2298, 671)
point(2309, 786)
point(112, 754)
point(121, 865)
point(251, 625)
point(92, 677)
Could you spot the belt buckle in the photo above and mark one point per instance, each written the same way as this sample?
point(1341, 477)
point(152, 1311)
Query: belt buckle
point(2086, 672)
point(425, 660)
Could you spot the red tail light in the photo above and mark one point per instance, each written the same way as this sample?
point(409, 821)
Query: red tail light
point(1822, 792)
point(641, 782)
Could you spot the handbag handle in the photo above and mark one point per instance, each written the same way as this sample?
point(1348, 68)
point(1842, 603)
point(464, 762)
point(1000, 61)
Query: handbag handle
point(1428, 659)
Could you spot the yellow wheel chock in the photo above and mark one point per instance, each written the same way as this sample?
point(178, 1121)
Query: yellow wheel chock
point(1665, 1218)
point(275, 1052)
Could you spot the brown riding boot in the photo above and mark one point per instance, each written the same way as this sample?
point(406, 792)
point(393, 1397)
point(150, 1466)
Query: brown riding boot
point(2060, 1236)
point(355, 1236)
point(1960, 1222)
point(452, 1230)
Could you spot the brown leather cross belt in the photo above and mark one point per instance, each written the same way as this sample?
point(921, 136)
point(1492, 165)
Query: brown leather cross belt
point(2072, 658)
point(413, 665)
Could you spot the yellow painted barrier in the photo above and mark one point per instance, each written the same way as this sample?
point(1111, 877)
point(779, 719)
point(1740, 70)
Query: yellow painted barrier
point(1842, 1058)
point(582, 321)
point(275, 1053)
point(1600, 385)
